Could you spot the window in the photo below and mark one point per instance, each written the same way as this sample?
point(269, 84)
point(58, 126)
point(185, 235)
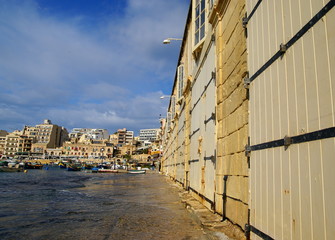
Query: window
point(211, 4)
point(199, 27)
point(173, 106)
point(168, 121)
point(180, 80)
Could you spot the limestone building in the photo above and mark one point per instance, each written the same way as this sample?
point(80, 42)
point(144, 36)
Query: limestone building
point(113, 138)
point(88, 149)
point(46, 135)
point(250, 124)
point(125, 137)
point(88, 133)
point(3, 135)
point(16, 145)
point(207, 120)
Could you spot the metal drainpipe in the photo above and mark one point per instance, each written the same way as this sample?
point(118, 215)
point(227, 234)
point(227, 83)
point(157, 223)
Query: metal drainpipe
point(224, 197)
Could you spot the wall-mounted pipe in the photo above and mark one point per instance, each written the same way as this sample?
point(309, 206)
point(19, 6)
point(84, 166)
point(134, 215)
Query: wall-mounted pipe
point(224, 197)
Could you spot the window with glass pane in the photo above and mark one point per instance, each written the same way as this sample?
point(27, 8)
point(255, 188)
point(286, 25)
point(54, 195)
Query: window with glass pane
point(199, 22)
point(168, 121)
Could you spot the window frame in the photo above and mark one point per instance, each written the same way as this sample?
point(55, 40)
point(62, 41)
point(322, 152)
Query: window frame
point(180, 81)
point(173, 106)
point(197, 17)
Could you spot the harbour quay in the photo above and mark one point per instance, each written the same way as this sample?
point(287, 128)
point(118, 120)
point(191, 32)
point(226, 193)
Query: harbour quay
point(58, 204)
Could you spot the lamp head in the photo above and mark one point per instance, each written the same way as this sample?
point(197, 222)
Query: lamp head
point(167, 41)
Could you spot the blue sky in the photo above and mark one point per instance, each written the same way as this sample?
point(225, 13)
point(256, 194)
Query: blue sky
point(87, 63)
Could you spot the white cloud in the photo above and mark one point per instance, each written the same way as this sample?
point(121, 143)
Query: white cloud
point(111, 77)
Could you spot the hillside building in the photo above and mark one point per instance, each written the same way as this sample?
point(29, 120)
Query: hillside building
point(125, 137)
point(88, 133)
point(46, 135)
point(150, 135)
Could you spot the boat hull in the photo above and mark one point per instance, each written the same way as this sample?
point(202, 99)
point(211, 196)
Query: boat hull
point(10, 169)
point(107, 171)
point(33, 166)
point(136, 172)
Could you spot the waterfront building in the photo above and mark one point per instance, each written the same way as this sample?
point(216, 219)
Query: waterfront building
point(11, 145)
point(16, 145)
point(241, 134)
point(3, 135)
point(88, 149)
point(45, 135)
point(150, 135)
point(54, 152)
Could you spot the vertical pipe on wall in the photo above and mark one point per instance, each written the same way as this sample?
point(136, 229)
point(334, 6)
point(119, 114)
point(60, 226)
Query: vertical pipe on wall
point(224, 197)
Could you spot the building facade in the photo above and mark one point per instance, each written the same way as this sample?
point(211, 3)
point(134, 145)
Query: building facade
point(250, 124)
point(88, 133)
point(16, 145)
point(208, 96)
point(46, 135)
point(291, 64)
point(3, 135)
point(125, 137)
point(90, 149)
point(149, 134)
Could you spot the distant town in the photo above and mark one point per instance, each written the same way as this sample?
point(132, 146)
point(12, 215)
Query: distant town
point(50, 141)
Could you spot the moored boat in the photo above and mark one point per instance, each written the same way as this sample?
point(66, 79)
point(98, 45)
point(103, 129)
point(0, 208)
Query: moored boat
point(136, 171)
point(103, 170)
point(62, 165)
point(33, 165)
point(74, 167)
point(10, 169)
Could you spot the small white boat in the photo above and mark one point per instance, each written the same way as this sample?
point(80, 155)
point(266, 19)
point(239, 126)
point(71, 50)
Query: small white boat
point(136, 171)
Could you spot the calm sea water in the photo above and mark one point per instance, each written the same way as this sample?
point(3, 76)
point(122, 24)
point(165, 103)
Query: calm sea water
point(58, 204)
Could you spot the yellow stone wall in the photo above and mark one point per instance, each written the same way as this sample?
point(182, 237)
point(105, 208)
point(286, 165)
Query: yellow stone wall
point(232, 110)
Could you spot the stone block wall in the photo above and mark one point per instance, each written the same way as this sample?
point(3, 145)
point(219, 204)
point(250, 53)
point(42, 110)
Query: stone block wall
point(232, 111)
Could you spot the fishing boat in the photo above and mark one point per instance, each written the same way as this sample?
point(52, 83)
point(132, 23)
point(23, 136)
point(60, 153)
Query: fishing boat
point(33, 165)
point(62, 164)
point(11, 169)
point(136, 171)
point(87, 166)
point(10, 166)
point(74, 167)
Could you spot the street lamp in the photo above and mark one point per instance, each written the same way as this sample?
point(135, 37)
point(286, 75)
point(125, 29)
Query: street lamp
point(168, 40)
point(165, 96)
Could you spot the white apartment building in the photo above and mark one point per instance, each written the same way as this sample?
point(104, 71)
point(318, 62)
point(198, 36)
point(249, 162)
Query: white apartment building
point(150, 135)
point(94, 134)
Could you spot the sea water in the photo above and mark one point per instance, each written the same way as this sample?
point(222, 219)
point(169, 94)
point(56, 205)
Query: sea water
point(59, 204)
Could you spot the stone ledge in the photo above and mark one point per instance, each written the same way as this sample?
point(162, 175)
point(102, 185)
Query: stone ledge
point(211, 222)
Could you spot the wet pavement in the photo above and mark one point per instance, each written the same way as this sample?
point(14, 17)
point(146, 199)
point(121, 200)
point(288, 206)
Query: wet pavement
point(58, 204)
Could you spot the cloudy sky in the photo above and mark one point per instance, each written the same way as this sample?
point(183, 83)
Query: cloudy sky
point(87, 63)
